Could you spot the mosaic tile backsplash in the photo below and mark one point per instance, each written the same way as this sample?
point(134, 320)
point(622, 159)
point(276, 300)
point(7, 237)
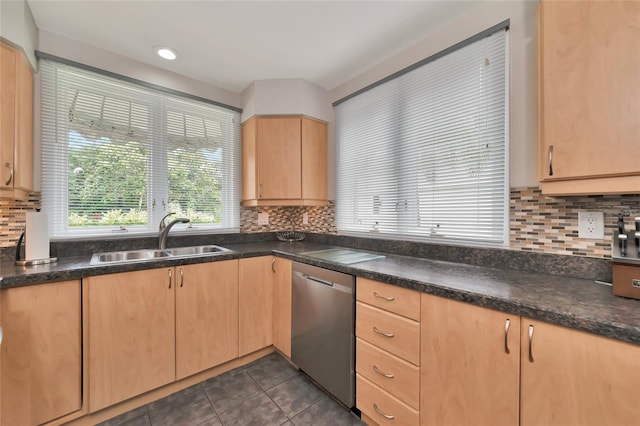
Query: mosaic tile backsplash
point(538, 223)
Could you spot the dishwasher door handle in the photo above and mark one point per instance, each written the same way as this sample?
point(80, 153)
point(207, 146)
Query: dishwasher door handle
point(318, 280)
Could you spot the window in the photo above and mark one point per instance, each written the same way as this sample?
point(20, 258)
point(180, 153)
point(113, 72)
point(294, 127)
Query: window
point(423, 155)
point(118, 156)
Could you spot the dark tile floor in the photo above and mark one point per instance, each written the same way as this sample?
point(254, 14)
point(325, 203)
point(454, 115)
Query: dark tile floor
point(266, 392)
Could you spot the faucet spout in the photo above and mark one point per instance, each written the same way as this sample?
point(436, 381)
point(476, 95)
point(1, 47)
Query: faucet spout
point(164, 229)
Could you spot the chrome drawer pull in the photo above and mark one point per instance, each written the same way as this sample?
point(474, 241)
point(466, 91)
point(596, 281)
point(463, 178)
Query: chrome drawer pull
point(531, 328)
point(387, 416)
point(375, 329)
point(507, 325)
point(388, 299)
point(10, 173)
point(388, 376)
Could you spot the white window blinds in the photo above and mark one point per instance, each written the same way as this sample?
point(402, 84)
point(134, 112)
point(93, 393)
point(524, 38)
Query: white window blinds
point(117, 157)
point(424, 156)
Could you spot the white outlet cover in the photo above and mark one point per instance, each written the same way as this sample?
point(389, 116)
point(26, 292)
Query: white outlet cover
point(591, 225)
point(305, 218)
point(263, 218)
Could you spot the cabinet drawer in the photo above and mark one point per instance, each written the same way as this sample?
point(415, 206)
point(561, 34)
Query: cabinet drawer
point(398, 300)
point(378, 365)
point(391, 332)
point(382, 407)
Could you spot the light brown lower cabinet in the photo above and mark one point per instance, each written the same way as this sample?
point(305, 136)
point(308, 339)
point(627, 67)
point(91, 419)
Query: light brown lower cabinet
point(282, 305)
point(574, 378)
point(131, 334)
point(255, 296)
point(469, 364)
point(41, 353)
point(206, 316)
point(150, 328)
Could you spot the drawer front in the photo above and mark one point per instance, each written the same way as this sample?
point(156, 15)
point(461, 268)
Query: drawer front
point(394, 375)
point(381, 407)
point(391, 332)
point(398, 300)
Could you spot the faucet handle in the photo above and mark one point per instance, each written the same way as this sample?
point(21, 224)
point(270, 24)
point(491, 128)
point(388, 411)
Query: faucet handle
point(162, 224)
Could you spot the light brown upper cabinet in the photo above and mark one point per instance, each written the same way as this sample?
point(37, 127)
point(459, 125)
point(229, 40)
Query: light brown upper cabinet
point(16, 124)
point(589, 97)
point(284, 161)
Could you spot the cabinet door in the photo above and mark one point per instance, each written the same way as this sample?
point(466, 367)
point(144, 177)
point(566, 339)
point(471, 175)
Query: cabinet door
point(314, 159)
point(7, 114)
point(467, 374)
point(132, 334)
point(206, 316)
point(282, 305)
point(279, 170)
point(575, 378)
point(255, 296)
point(589, 88)
point(23, 173)
point(41, 353)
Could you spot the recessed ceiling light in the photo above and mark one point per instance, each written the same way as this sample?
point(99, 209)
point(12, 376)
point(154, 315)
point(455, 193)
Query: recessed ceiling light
point(166, 53)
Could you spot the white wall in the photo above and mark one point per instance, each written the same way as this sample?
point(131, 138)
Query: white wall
point(523, 95)
point(89, 55)
point(283, 97)
point(18, 27)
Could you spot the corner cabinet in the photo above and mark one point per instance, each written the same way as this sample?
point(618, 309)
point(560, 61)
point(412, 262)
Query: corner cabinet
point(255, 310)
point(41, 353)
point(589, 97)
point(16, 124)
point(281, 269)
point(284, 161)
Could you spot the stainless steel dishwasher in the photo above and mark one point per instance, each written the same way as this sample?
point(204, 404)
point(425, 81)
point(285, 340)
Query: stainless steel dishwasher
point(322, 328)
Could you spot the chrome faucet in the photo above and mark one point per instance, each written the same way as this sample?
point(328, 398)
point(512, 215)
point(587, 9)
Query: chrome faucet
point(164, 229)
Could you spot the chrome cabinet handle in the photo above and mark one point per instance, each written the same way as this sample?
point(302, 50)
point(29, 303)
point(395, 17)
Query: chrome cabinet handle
point(375, 329)
point(386, 416)
point(170, 278)
point(10, 173)
point(388, 299)
point(388, 376)
point(273, 263)
point(181, 277)
point(260, 191)
point(507, 325)
point(531, 328)
point(550, 160)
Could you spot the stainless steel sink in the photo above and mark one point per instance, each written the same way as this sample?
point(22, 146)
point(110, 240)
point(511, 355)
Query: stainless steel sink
point(196, 250)
point(127, 256)
point(148, 254)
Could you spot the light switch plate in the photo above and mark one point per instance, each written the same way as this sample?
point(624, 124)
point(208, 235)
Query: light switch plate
point(591, 225)
point(305, 218)
point(263, 218)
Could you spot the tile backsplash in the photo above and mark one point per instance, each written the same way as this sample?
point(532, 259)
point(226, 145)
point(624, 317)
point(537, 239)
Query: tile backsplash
point(12, 218)
point(545, 224)
point(538, 223)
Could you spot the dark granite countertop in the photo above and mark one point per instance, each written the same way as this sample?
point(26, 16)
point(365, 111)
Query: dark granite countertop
point(572, 302)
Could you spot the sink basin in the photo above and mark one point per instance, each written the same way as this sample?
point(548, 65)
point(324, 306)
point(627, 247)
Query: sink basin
point(196, 250)
point(127, 256)
point(142, 255)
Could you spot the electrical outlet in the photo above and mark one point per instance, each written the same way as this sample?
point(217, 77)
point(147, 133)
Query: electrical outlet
point(305, 218)
point(591, 225)
point(263, 218)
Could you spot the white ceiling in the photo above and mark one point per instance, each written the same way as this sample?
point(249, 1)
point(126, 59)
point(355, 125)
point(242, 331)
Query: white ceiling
point(230, 44)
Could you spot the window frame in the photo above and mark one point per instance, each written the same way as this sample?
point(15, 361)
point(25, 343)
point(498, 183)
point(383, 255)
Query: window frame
point(55, 141)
